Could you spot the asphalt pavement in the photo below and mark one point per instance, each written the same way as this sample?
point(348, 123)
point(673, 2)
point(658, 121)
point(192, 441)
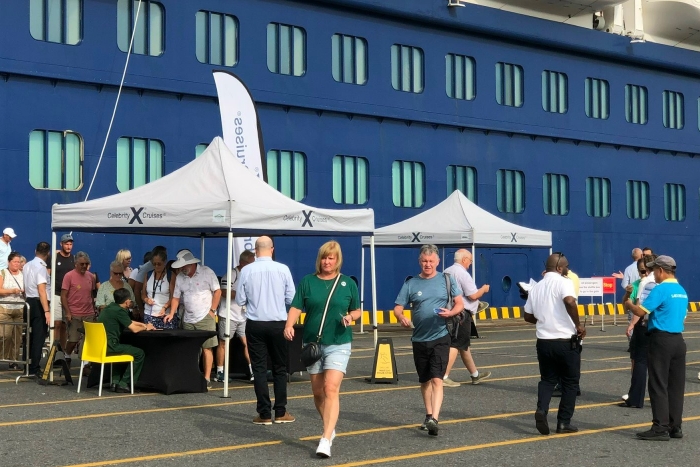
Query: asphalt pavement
point(490, 424)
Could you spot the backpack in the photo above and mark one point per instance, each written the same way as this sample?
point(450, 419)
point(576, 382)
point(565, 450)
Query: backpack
point(453, 322)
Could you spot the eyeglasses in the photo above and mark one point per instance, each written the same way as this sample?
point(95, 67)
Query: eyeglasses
point(561, 255)
point(117, 273)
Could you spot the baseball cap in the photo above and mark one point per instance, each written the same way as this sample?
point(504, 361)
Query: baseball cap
point(664, 262)
point(66, 238)
point(9, 231)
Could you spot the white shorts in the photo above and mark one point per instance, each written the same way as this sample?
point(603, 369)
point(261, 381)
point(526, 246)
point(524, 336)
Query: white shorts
point(57, 308)
point(236, 328)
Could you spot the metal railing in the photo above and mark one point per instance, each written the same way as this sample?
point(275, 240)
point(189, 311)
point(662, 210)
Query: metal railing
point(15, 335)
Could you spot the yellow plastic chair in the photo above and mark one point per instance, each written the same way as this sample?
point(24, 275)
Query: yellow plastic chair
point(95, 350)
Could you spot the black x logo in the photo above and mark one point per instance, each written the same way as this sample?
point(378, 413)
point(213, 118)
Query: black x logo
point(415, 237)
point(512, 238)
point(307, 218)
point(136, 217)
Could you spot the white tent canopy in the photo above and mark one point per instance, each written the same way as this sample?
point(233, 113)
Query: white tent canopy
point(214, 195)
point(211, 196)
point(458, 221)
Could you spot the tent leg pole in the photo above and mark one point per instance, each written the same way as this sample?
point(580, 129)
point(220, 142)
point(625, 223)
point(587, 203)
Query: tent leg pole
point(229, 261)
point(362, 290)
point(202, 250)
point(49, 296)
point(374, 291)
point(474, 262)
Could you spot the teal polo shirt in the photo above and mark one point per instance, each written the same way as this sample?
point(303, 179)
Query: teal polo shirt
point(667, 305)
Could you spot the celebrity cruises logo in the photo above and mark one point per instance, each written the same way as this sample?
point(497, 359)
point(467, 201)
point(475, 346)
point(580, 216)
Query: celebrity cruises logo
point(306, 218)
point(136, 215)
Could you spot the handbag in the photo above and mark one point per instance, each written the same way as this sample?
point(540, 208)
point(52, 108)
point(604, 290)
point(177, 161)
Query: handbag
point(453, 322)
point(311, 351)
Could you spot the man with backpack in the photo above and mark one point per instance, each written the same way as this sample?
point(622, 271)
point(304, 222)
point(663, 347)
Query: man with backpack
point(430, 297)
point(470, 295)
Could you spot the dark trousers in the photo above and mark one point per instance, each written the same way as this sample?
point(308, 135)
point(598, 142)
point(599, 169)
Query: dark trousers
point(267, 338)
point(559, 363)
point(120, 373)
point(39, 331)
point(639, 348)
point(666, 379)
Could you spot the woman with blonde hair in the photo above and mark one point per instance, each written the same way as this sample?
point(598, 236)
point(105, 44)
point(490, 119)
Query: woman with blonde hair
point(124, 257)
point(329, 298)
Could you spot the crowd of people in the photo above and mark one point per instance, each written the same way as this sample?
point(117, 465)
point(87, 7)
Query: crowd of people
point(265, 305)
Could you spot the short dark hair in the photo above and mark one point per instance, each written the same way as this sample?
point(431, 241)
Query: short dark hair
point(121, 296)
point(43, 248)
point(147, 256)
point(13, 255)
point(648, 248)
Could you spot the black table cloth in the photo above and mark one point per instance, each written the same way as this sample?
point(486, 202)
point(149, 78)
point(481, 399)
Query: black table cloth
point(172, 359)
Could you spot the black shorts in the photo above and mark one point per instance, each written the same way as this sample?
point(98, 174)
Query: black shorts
point(464, 334)
point(431, 358)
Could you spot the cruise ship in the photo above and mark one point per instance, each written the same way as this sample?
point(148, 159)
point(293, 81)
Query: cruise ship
point(581, 118)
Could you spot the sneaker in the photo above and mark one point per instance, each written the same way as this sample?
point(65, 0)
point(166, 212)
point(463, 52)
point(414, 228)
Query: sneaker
point(481, 377)
point(482, 306)
point(258, 420)
point(676, 433)
point(286, 418)
point(324, 448)
point(333, 436)
point(449, 383)
point(651, 435)
point(432, 426)
point(220, 377)
point(208, 383)
point(252, 378)
point(424, 425)
point(625, 397)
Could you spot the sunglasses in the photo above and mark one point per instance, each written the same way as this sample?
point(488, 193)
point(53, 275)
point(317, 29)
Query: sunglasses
point(117, 273)
point(643, 271)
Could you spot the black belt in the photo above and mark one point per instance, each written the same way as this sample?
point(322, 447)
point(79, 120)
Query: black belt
point(554, 340)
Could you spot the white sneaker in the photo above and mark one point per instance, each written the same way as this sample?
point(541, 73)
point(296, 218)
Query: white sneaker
point(332, 437)
point(625, 397)
point(324, 448)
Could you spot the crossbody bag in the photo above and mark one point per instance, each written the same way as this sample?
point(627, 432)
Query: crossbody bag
point(311, 352)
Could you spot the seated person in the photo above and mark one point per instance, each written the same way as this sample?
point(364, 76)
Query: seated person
point(115, 318)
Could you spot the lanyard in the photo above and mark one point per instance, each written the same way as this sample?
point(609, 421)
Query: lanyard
point(157, 283)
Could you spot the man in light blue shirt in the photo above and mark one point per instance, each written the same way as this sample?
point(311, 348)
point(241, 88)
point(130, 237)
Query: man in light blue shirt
point(266, 288)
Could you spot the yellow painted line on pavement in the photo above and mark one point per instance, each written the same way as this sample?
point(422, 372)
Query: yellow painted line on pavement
point(497, 444)
point(392, 428)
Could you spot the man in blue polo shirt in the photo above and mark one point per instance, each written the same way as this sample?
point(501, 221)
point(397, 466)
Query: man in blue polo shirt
point(666, 306)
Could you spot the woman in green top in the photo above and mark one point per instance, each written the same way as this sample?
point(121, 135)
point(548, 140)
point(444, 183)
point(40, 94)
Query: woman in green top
point(344, 308)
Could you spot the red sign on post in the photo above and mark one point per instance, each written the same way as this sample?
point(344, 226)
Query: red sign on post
point(608, 285)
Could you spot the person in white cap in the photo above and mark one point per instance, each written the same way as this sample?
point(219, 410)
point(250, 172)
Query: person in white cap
point(5, 249)
point(202, 294)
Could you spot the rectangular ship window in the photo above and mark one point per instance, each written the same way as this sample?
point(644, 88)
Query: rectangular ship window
point(407, 68)
point(636, 101)
point(510, 190)
point(462, 178)
point(59, 21)
point(555, 194)
point(460, 77)
point(350, 180)
point(139, 161)
point(555, 87)
point(597, 98)
point(674, 202)
point(149, 36)
point(55, 160)
point(286, 49)
point(637, 199)
point(199, 149)
point(597, 197)
point(510, 84)
point(349, 57)
point(286, 173)
point(408, 184)
point(216, 38)
point(673, 117)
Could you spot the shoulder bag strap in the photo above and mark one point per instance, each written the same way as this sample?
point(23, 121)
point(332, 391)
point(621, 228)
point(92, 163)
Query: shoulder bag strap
point(325, 310)
point(448, 285)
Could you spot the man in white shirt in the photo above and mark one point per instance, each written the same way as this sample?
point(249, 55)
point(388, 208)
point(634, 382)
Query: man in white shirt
point(470, 296)
point(5, 248)
point(36, 279)
point(551, 306)
point(237, 324)
point(202, 294)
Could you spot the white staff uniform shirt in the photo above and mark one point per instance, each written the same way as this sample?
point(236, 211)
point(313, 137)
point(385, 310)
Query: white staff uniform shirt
point(546, 302)
point(35, 273)
point(198, 292)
